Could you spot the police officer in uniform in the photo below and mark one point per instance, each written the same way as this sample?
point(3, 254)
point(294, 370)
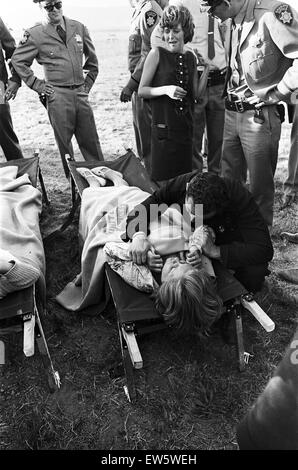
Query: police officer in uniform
point(208, 42)
point(8, 89)
point(263, 70)
point(146, 15)
point(59, 44)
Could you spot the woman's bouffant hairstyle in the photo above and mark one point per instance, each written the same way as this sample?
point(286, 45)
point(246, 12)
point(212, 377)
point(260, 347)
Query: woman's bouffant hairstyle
point(189, 304)
point(210, 190)
point(174, 15)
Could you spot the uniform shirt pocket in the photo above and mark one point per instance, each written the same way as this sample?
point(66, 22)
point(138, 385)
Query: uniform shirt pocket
point(51, 57)
point(264, 59)
point(79, 46)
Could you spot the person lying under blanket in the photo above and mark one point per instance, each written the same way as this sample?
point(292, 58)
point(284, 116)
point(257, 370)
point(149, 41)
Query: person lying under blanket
point(181, 280)
point(22, 260)
point(15, 274)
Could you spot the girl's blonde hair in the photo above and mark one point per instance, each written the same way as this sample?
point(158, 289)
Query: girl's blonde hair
point(191, 303)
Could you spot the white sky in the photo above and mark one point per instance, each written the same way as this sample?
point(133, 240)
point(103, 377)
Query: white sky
point(96, 14)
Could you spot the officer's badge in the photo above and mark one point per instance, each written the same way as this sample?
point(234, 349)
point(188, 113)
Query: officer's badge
point(78, 38)
point(150, 18)
point(25, 37)
point(284, 14)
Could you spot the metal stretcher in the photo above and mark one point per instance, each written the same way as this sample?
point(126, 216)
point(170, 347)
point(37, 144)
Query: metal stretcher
point(136, 314)
point(21, 311)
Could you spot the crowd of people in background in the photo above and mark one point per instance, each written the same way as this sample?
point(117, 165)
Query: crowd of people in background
point(244, 60)
point(212, 78)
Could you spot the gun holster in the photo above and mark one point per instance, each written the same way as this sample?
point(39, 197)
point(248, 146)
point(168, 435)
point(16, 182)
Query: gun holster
point(281, 112)
point(43, 99)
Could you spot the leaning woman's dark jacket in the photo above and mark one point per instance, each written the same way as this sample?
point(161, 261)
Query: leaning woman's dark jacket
point(241, 231)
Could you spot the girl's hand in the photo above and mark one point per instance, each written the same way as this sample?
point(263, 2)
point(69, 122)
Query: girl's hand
point(154, 260)
point(175, 92)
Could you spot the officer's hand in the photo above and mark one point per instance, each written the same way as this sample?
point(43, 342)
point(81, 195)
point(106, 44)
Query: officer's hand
point(154, 260)
point(126, 94)
point(48, 89)
point(175, 92)
point(255, 100)
point(11, 90)
point(139, 248)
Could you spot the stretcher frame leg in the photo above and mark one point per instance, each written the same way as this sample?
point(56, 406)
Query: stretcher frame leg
point(233, 311)
point(53, 375)
point(2, 353)
point(129, 388)
point(239, 335)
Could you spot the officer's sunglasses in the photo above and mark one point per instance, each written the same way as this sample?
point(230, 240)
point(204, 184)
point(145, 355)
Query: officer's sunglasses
point(57, 5)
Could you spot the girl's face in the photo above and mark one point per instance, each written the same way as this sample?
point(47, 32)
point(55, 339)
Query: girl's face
point(174, 268)
point(174, 38)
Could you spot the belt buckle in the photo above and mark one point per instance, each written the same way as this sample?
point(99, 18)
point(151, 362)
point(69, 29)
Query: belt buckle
point(239, 106)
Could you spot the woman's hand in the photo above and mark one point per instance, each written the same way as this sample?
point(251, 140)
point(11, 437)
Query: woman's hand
point(154, 261)
point(193, 257)
point(11, 90)
point(139, 248)
point(209, 248)
point(175, 92)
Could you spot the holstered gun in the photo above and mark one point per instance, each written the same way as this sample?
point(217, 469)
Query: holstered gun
point(281, 112)
point(43, 99)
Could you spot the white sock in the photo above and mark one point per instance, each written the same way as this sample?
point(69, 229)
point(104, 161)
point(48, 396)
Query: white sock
point(115, 176)
point(93, 180)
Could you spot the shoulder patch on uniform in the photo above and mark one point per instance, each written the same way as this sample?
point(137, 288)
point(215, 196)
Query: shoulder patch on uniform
point(150, 18)
point(284, 14)
point(25, 37)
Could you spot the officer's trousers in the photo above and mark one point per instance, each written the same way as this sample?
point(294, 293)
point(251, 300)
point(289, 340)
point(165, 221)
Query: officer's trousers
point(209, 113)
point(141, 115)
point(291, 183)
point(8, 139)
point(71, 114)
point(253, 146)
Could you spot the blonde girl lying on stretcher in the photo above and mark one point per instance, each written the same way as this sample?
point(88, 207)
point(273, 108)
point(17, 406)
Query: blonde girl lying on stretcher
point(180, 278)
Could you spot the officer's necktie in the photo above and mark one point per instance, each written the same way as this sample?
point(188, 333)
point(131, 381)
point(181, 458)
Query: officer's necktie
point(235, 58)
point(61, 33)
point(211, 50)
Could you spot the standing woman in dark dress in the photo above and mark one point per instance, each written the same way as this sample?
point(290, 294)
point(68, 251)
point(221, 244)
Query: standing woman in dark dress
point(170, 81)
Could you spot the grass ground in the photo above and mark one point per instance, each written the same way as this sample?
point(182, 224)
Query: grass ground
point(190, 393)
